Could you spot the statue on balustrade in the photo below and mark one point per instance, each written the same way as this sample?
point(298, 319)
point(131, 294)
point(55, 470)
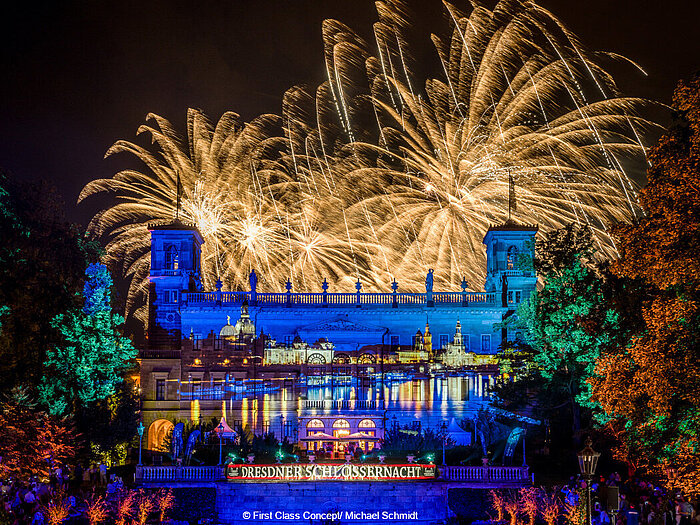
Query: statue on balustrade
point(429, 288)
point(253, 279)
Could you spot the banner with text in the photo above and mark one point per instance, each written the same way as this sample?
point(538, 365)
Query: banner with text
point(329, 472)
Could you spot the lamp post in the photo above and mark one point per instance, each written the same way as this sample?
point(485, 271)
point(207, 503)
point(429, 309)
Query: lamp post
point(139, 429)
point(587, 462)
point(220, 428)
point(671, 475)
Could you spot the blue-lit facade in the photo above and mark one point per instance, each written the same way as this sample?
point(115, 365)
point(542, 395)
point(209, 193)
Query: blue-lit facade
point(273, 359)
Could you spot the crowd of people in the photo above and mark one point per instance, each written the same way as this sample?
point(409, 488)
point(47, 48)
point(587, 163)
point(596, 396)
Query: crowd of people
point(632, 502)
point(27, 503)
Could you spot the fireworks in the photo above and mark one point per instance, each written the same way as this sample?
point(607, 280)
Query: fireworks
point(372, 177)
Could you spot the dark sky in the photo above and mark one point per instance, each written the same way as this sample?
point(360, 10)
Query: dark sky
point(76, 76)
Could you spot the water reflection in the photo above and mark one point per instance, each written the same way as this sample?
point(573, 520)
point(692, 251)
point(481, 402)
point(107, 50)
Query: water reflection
point(275, 405)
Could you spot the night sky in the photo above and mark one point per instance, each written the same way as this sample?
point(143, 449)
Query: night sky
point(79, 75)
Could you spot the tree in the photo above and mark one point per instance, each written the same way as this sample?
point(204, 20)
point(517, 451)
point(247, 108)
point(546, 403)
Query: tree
point(32, 441)
point(109, 424)
point(42, 264)
point(566, 325)
point(90, 362)
point(650, 388)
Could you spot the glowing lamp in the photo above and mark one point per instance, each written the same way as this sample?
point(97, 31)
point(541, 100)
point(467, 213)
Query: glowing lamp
point(588, 459)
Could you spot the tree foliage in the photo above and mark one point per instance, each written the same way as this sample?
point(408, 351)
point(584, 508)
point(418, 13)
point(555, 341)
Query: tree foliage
point(566, 326)
point(651, 388)
point(89, 364)
point(42, 264)
point(32, 441)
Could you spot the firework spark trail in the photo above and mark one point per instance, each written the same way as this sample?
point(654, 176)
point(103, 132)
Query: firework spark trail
point(450, 154)
point(369, 177)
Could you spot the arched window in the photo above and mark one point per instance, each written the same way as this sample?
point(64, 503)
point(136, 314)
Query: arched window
point(171, 258)
point(367, 423)
point(316, 359)
point(341, 359)
point(341, 423)
point(159, 430)
point(315, 423)
point(512, 260)
point(367, 358)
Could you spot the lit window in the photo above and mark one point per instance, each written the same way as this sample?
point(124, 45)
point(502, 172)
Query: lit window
point(512, 258)
point(171, 258)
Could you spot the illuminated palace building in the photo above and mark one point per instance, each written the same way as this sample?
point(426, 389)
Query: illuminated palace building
point(323, 369)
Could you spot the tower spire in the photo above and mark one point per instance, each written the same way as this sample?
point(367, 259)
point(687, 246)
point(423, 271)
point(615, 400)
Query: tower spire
point(511, 194)
point(178, 192)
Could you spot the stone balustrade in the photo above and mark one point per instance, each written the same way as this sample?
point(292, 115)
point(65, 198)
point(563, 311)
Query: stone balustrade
point(487, 475)
point(339, 299)
point(343, 404)
point(146, 474)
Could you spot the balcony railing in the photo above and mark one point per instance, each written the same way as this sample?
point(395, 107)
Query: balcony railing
point(198, 474)
point(159, 354)
point(489, 474)
point(343, 404)
point(339, 299)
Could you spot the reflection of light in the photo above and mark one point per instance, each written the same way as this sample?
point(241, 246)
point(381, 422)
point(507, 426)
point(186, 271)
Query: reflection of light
point(266, 408)
point(194, 411)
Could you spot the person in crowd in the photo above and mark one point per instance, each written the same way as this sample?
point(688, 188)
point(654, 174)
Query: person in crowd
point(103, 473)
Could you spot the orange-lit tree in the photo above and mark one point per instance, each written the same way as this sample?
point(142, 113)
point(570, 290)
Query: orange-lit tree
point(165, 501)
point(498, 504)
point(650, 390)
point(31, 441)
point(96, 510)
point(125, 507)
point(512, 508)
point(146, 504)
point(58, 509)
point(550, 508)
point(529, 503)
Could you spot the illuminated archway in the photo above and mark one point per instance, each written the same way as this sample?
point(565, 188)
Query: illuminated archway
point(316, 359)
point(341, 428)
point(157, 432)
point(367, 358)
point(341, 359)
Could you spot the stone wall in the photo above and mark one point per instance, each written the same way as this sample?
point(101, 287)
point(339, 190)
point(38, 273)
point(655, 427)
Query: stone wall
point(337, 502)
point(309, 503)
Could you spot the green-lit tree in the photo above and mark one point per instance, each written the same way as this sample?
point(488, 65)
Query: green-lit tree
point(566, 325)
point(90, 363)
